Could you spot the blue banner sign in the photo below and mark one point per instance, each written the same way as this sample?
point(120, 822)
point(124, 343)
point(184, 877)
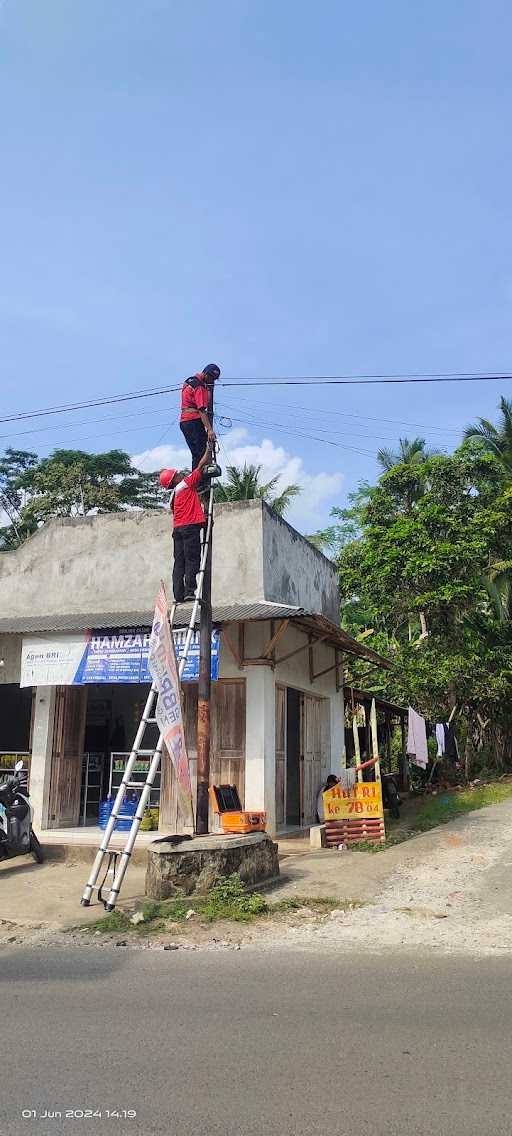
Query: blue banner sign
point(121, 656)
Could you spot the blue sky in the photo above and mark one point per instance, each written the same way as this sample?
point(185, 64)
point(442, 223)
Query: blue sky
point(284, 188)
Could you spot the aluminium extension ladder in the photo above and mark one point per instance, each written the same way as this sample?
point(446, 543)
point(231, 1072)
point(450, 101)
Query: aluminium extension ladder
point(118, 869)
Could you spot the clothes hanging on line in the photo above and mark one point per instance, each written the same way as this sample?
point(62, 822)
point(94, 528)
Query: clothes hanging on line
point(440, 739)
point(417, 748)
point(447, 741)
point(451, 748)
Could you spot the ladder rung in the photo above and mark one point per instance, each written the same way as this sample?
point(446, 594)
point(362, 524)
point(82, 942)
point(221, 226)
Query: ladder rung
point(125, 816)
point(134, 784)
point(150, 721)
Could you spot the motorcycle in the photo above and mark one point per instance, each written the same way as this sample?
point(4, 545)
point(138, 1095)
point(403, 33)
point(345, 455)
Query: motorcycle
point(17, 837)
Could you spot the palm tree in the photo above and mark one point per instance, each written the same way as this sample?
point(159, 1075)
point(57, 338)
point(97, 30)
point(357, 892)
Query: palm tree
point(496, 440)
point(243, 484)
point(498, 582)
point(414, 452)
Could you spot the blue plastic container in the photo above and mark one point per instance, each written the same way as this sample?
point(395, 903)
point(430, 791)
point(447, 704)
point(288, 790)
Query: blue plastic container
point(129, 809)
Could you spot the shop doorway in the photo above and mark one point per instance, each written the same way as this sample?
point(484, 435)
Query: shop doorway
point(302, 752)
point(113, 714)
point(16, 717)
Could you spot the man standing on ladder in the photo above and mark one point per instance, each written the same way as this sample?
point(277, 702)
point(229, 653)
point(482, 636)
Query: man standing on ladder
point(188, 521)
point(195, 424)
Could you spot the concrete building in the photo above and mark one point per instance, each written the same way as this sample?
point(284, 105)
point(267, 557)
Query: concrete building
point(278, 713)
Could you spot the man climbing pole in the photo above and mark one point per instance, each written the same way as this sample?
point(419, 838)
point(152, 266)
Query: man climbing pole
point(189, 518)
point(195, 424)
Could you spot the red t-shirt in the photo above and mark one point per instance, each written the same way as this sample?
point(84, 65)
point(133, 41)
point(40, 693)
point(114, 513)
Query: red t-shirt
point(186, 504)
point(194, 397)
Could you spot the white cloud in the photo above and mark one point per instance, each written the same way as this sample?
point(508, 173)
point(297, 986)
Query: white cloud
point(319, 491)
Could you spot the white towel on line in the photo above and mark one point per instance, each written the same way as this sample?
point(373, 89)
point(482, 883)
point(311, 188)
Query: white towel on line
point(417, 739)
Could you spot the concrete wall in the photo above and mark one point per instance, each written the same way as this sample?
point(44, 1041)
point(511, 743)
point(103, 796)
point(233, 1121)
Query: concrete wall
point(72, 565)
point(238, 553)
point(115, 562)
point(296, 573)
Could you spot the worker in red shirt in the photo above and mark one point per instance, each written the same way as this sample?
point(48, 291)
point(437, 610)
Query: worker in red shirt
point(189, 518)
point(195, 424)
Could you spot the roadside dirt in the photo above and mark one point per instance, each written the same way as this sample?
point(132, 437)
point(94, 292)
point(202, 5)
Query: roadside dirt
point(450, 890)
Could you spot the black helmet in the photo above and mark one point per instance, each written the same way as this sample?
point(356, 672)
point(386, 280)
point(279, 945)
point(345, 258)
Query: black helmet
point(212, 371)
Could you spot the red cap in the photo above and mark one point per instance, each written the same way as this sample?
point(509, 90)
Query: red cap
point(166, 477)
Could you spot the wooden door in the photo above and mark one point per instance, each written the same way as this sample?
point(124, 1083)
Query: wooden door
point(280, 755)
point(227, 763)
point(227, 751)
point(311, 756)
point(68, 748)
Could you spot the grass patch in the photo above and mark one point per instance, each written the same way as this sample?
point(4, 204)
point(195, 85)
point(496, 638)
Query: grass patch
point(296, 902)
point(114, 921)
point(439, 810)
point(450, 805)
point(228, 900)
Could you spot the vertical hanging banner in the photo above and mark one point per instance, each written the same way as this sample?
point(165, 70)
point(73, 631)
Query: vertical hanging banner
point(162, 664)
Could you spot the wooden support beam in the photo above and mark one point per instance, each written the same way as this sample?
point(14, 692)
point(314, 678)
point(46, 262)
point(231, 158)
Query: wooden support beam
point(339, 681)
point(297, 650)
point(231, 648)
point(326, 670)
point(275, 637)
point(360, 678)
point(241, 642)
point(310, 659)
point(367, 724)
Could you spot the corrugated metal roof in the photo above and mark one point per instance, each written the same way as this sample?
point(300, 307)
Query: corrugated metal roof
point(32, 625)
point(310, 622)
point(321, 626)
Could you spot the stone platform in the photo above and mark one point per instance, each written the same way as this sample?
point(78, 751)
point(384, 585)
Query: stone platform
point(194, 865)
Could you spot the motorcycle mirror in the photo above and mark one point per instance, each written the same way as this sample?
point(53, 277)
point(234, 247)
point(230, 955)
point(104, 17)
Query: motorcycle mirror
point(18, 766)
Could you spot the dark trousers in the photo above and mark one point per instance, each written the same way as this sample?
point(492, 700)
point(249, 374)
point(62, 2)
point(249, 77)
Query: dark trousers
point(196, 438)
point(187, 559)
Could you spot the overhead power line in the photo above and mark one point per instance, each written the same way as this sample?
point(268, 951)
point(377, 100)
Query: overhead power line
point(363, 380)
point(66, 408)
point(296, 408)
point(290, 380)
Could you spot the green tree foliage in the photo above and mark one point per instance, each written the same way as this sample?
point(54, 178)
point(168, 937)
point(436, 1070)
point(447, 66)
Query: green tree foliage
point(68, 483)
point(346, 523)
point(417, 574)
point(414, 453)
point(13, 465)
point(244, 484)
point(496, 440)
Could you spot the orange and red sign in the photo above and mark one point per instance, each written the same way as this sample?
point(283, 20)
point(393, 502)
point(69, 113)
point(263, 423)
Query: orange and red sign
point(363, 800)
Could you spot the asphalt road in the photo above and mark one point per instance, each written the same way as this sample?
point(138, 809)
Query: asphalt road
point(254, 1042)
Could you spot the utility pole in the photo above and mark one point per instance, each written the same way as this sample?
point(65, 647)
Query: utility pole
point(205, 681)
